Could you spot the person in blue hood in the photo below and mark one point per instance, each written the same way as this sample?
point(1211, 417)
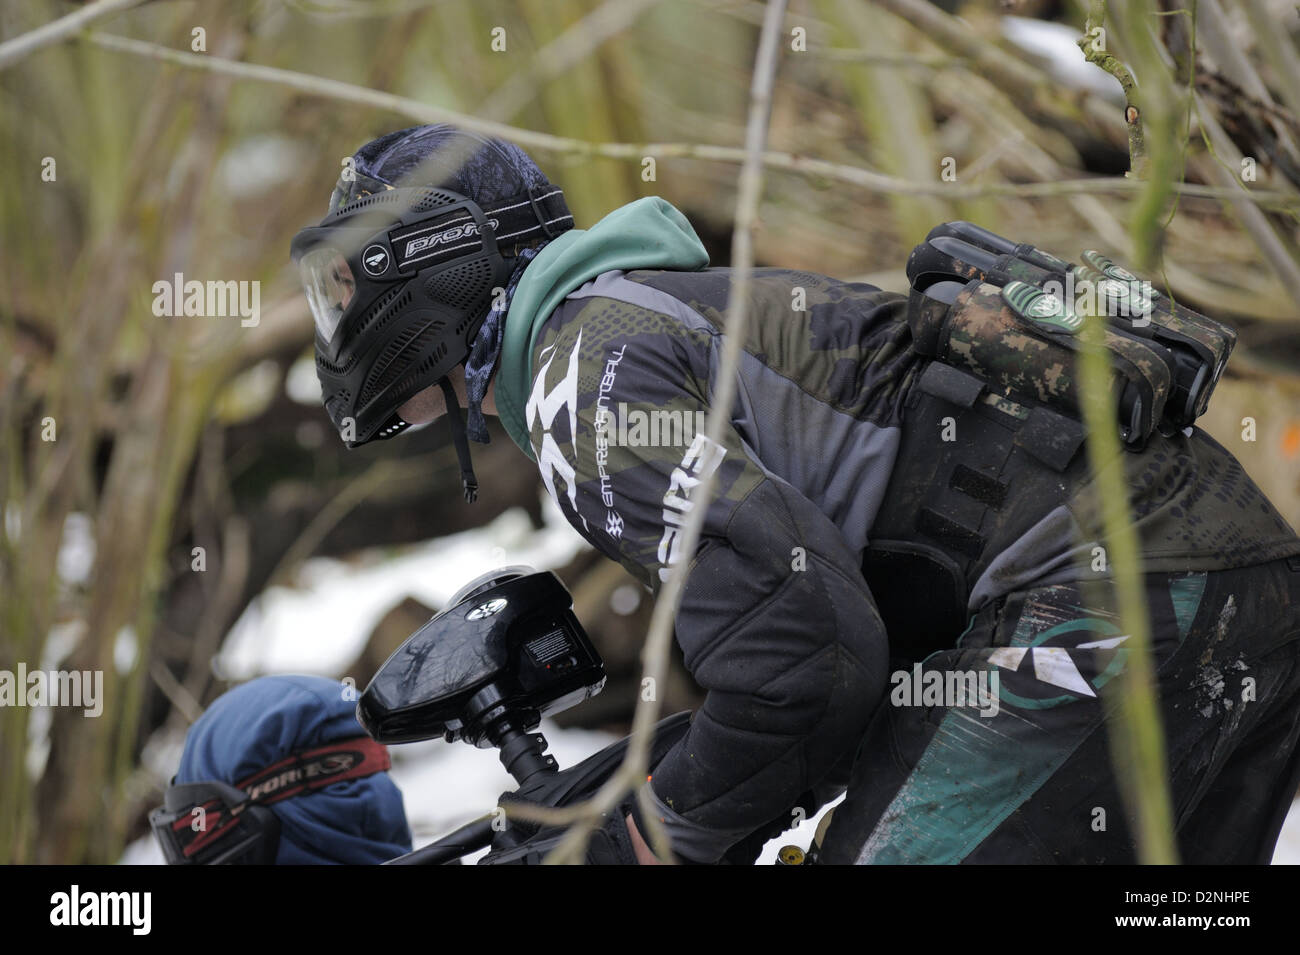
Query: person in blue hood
point(848, 536)
point(291, 746)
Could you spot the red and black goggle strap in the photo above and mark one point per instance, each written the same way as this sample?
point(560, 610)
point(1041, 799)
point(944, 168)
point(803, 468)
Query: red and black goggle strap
point(198, 820)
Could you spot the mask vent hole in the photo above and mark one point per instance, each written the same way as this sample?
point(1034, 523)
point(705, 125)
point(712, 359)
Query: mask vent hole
point(397, 357)
point(393, 305)
point(462, 286)
point(395, 298)
point(422, 371)
point(362, 201)
point(332, 368)
point(432, 199)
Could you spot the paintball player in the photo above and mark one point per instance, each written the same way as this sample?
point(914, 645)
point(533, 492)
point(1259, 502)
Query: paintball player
point(880, 515)
point(278, 770)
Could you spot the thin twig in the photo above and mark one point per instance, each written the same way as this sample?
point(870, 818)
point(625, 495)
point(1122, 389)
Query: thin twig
point(1008, 67)
point(1252, 220)
point(1228, 54)
point(1134, 725)
point(659, 639)
point(338, 507)
point(1279, 52)
point(636, 152)
point(11, 51)
point(1100, 217)
point(1097, 54)
point(1239, 70)
point(929, 61)
point(179, 697)
point(351, 10)
point(560, 55)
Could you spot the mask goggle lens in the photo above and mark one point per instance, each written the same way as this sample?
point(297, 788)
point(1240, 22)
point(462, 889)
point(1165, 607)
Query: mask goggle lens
point(327, 279)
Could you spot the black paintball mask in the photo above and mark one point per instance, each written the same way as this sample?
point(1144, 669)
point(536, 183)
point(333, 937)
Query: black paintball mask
point(215, 823)
point(399, 281)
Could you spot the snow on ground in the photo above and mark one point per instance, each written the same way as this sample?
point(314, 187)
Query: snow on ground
point(1056, 45)
point(1288, 843)
point(445, 785)
point(322, 624)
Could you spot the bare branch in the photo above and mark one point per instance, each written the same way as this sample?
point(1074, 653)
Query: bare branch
point(1100, 217)
point(1252, 220)
point(179, 697)
point(1096, 53)
point(659, 640)
point(11, 51)
point(1279, 52)
point(560, 55)
point(937, 61)
point(1134, 730)
point(1006, 67)
point(635, 152)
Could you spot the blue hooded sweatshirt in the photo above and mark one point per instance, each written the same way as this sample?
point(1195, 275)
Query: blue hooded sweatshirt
point(354, 822)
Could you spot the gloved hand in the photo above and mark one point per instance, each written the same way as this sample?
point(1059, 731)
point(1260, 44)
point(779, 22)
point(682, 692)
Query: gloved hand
point(611, 844)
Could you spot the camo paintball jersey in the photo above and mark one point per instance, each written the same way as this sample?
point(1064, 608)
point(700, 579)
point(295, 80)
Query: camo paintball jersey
point(777, 622)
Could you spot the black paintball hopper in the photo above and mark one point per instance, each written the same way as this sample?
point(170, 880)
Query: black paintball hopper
point(507, 652)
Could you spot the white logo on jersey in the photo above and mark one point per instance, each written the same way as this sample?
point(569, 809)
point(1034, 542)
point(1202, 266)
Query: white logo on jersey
point(550, 459)
point(701, 459)
point(613, 519)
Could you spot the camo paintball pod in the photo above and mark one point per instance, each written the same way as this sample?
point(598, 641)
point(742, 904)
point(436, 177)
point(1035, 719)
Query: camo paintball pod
point(1010, 315)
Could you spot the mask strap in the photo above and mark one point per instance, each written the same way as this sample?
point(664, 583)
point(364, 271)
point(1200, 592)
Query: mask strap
point(467, 479)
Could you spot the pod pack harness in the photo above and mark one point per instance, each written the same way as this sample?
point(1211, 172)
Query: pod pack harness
point(999, 310)
point(399, 282)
